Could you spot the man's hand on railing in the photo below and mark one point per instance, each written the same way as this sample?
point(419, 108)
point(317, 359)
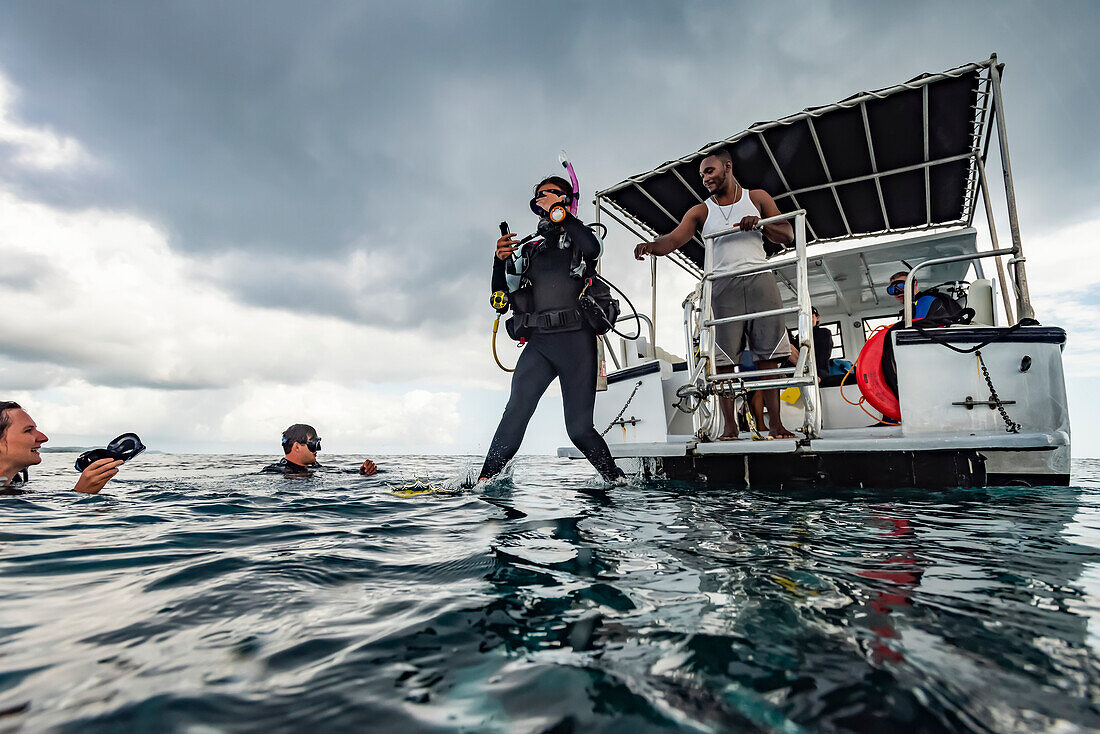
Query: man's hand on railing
point(749, 223)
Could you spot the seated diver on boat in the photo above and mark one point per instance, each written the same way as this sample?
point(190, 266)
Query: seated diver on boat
point(20, 445)
point(301, 444)
point(765, 338)
point(551, 274)
point(933, 305)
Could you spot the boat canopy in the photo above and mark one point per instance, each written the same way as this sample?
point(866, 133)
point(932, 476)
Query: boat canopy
point(898, 159)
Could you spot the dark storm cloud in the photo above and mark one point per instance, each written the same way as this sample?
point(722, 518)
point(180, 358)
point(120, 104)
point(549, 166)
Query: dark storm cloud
point(308, 131)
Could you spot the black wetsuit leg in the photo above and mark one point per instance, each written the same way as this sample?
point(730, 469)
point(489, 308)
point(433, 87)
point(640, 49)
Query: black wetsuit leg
point(533, 375)
point(575, 363)
point(570, 356)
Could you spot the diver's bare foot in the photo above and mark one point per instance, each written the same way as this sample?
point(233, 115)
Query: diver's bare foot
point(728, 437)
point(780, 432)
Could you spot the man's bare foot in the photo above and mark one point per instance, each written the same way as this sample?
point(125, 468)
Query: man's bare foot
point(728, 437)
point(780, 432)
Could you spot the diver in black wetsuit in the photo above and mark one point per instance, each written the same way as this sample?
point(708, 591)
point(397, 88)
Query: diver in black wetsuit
point(560, 343)
point(301, 445)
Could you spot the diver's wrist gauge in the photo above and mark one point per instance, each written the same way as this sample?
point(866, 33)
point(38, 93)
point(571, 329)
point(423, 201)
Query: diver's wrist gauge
point(557, 213)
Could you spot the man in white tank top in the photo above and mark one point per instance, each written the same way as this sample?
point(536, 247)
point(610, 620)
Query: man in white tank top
point(765, 338)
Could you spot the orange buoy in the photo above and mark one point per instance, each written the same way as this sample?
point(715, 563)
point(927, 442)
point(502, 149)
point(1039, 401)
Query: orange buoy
point(870, 379)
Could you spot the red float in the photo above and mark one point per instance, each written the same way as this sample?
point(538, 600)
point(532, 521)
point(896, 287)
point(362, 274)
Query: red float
point(870, 379)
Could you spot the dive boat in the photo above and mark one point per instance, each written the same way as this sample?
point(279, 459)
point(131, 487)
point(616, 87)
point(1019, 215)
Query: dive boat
point(879, 182)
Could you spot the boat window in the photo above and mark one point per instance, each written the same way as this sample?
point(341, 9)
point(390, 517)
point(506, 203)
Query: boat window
point(874, 322)
point(838, 339)
point(834, 329)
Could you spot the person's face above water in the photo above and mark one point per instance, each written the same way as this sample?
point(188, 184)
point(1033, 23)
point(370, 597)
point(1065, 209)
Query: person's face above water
point(21, 442)
point(307, 456)
point(715, 172)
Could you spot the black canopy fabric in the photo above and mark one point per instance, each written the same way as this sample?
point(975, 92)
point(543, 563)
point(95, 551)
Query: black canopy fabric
point(895, 160)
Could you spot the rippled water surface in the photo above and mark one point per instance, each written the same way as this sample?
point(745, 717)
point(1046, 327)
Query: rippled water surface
point(195, 594)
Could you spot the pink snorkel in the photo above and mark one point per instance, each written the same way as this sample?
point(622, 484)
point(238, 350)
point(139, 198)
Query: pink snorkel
point(574, 205)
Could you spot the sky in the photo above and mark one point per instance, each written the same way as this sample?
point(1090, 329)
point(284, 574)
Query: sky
point(217, 219)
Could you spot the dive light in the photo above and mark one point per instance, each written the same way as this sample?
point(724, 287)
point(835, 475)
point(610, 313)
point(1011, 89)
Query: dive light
point(557, 213)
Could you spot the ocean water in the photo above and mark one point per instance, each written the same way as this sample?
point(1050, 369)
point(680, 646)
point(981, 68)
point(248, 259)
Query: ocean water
point(196, 595)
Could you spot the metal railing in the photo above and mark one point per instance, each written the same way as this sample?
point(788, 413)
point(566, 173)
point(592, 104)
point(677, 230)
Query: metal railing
point(728, 384)
point(909, 279)
point(630, 317)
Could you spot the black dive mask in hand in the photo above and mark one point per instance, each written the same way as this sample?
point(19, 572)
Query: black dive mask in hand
point(124, 447)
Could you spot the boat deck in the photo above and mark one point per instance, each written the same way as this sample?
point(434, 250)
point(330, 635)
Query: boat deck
point(839, 440)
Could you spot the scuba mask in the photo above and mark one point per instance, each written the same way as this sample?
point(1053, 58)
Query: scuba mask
point(567, 200)
point(313, 444)
point(124, 447)
point(896, 288)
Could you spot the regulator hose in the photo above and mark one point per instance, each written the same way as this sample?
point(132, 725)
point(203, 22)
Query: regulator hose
point(496, 325)
point(637, 319)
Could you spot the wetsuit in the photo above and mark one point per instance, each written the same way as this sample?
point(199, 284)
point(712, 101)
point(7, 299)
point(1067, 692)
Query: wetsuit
point(289, 467)
point(14, 486)
point(283, 466)
point(566, 352)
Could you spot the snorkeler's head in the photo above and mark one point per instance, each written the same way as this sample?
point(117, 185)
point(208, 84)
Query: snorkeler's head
point(302, 441)
point(6, 409)
point(897, 285)
point(20, 439)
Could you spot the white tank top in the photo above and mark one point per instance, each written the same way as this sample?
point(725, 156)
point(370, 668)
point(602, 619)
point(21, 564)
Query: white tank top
point(740, 249)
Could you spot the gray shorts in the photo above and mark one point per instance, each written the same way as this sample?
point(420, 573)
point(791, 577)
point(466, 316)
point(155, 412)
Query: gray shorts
point(765, 338)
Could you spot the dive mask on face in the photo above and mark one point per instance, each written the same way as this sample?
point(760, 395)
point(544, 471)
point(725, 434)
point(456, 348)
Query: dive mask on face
point(896, 288)
point(124, 447)
point(314, 444)
point(566, 200)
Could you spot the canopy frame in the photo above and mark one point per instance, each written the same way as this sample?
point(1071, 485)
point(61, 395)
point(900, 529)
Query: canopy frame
point(648, 212)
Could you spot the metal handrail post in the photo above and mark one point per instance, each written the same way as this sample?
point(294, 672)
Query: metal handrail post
point(689, 313)
point(653, 301)
point(706, 332)
point(1023, 296)
point(983, 183)
point(811, 397)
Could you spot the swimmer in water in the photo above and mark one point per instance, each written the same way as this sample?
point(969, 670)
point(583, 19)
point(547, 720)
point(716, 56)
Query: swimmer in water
point(20, 444)
point(301, 444)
